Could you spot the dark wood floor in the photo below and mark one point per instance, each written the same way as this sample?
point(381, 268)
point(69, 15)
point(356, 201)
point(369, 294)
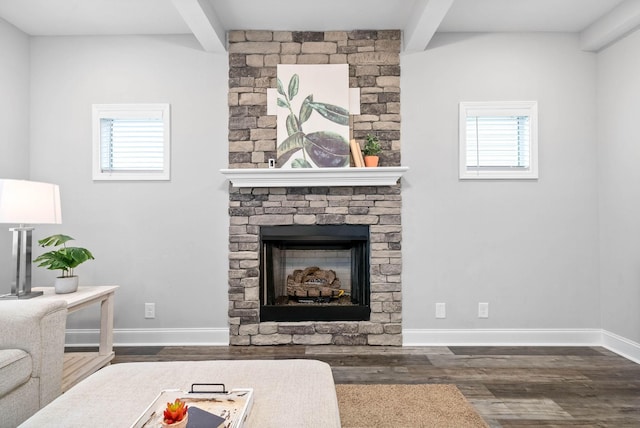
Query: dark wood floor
point(509, 386)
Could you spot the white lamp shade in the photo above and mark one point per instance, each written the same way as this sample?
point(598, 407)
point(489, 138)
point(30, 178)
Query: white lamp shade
point(29, 202)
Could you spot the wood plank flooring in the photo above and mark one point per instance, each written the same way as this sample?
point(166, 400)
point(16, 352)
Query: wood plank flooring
point(508, 386)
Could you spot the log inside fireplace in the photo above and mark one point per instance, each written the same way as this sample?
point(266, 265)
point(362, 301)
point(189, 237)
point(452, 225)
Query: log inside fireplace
point(314, 273)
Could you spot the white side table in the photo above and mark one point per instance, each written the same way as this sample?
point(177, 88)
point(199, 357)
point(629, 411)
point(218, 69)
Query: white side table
point(79, 365)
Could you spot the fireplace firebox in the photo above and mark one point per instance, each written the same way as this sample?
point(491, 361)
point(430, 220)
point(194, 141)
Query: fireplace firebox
point(314, 273)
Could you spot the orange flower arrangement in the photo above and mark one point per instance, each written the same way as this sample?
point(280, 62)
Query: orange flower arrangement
point(175, 412)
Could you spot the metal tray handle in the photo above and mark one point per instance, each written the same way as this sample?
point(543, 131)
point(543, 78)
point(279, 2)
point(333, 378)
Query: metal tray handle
point(222, 391)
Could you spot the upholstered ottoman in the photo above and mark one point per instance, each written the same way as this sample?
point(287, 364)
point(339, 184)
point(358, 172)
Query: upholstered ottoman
point(287, 393)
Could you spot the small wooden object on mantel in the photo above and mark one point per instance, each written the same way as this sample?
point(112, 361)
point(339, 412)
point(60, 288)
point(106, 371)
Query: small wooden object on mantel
point(356, 153)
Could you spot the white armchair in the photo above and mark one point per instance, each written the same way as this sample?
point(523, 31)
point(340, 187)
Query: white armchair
point(31, 357)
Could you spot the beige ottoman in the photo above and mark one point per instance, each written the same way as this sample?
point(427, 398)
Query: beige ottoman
point(287, 393)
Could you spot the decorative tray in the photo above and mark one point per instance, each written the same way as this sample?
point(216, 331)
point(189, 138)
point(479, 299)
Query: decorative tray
point(233, 406)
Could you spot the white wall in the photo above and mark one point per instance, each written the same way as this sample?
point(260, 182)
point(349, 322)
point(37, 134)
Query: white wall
point(14, 102)
point(530, 249)
point(162, 242)
point(14, 125)
point(527, 248)
point(618, 153)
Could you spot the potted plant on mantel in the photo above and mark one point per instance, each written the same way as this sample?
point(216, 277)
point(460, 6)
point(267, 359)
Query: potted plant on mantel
point(65, 259)
point(371, 150)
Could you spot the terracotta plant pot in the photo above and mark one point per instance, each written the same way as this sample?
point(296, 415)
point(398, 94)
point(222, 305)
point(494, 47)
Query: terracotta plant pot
point(371, 160)
point(66, 284)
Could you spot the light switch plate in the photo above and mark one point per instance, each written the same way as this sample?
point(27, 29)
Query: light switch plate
point(441, 310)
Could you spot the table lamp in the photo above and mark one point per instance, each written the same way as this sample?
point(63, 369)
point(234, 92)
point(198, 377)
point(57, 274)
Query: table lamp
point(26, 203)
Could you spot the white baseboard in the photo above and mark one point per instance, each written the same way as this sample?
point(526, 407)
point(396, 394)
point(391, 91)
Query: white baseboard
point(411, 337)
point(502, 337)
point(524, 337)
point(152, 337)
point(621, 346)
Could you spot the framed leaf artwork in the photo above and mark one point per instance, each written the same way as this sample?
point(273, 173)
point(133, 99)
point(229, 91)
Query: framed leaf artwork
point(313, 116)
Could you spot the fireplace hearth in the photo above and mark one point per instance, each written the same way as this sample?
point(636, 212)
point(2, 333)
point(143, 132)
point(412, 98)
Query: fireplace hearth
point(314, 273)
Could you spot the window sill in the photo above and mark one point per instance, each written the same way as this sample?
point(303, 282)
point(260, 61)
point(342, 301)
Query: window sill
point(316, 177)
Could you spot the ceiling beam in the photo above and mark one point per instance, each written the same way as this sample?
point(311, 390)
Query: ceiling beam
point(204, 24)
point(616, 24)
point(425, 20)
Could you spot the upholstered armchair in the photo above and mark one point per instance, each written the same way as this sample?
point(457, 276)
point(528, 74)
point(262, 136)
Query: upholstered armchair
point(31, 356)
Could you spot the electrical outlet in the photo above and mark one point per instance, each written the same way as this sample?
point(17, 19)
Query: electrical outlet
point(272, 163)
point(483, 310)
point(149, 310)
point(441, 310)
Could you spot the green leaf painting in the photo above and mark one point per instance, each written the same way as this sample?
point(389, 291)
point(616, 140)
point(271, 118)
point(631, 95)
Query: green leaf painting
point(282, 103)
point(280, 88)
point(294, 84)
point(294, 141)
point(313, 140)
point(301, 163)
point(292, 124)
point(333, 113)
point(306, 110)
point(327, 149)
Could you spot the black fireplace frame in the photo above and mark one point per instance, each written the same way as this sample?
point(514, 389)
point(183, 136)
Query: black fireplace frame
point(309, 237)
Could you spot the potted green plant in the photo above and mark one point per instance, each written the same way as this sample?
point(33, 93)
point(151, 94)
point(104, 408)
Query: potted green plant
point(65, 259)
point(371, 150)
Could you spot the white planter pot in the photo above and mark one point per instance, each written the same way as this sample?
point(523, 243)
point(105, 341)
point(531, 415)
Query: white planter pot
point(67, 284)
point(181, 424)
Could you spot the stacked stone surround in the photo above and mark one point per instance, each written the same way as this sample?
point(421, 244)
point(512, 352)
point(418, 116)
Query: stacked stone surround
point(374, 67)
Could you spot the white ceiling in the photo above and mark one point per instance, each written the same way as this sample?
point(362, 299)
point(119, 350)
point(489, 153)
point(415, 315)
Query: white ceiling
point(524, 15)
point(598, 21)
point(102, 17)
point(93, 17)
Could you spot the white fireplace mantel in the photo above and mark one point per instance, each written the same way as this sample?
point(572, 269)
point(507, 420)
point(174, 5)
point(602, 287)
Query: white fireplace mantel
point(313, 177)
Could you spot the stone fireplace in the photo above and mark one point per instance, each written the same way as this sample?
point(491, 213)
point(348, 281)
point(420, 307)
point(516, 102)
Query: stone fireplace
point(287, 222)
point(314, 273)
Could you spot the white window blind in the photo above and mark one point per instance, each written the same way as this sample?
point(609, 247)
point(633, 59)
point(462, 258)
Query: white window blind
point(131, 144)
point(498, 140)
point(131, 141)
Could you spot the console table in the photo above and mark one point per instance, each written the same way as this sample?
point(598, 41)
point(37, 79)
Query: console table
point(79, 365)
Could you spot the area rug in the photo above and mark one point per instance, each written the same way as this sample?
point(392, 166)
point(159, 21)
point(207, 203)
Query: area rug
point(415, 406)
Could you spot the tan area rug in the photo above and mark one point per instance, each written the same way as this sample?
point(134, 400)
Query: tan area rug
point(411, 406)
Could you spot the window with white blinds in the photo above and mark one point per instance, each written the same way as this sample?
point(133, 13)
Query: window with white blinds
point(131, 142)
point(498, 140)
